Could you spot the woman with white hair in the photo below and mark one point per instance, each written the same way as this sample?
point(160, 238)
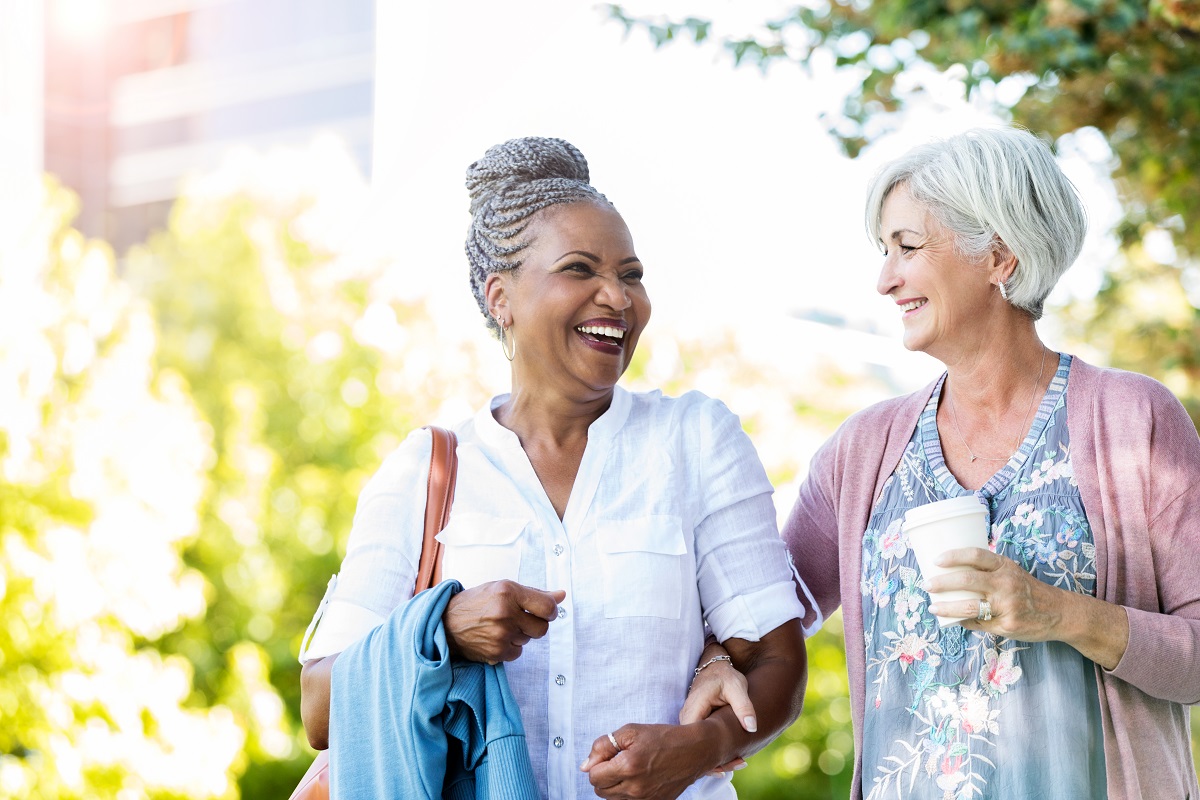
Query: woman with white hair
point(1072, 675)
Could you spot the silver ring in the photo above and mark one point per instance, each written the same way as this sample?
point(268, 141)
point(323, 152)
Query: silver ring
point(985, 611)
point(613, 739)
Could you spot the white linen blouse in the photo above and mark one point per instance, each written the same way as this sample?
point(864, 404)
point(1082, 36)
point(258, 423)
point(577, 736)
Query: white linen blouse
point(669, 524)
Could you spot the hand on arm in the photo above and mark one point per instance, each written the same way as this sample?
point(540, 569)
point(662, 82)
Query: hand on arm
point(490, 623)
point(661, 761)
point(1028, 610)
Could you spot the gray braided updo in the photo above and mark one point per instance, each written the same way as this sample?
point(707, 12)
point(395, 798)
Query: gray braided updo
point(511, 183)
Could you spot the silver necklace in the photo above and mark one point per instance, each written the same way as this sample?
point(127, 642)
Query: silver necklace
point(1024, 422)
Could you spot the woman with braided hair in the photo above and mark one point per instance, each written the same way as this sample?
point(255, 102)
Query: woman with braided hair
point(595, 530)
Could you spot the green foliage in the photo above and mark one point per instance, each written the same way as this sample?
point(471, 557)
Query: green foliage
point(814, 757)
point(266, 325)
point(90, 523)
point(1124, 67)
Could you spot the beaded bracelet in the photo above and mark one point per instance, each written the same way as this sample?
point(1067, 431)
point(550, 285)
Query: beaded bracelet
point(712, 661)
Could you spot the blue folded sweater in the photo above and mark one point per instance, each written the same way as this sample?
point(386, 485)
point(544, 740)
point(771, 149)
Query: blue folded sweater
point(406, 722)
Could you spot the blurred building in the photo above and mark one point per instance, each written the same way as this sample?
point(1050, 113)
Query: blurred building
point(138, 93)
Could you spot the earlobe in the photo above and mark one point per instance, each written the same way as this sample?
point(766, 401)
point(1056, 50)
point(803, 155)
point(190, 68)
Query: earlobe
point(1004, 262)
point(495, 296)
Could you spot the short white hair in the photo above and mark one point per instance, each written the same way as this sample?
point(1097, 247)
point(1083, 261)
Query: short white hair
point(991, 183)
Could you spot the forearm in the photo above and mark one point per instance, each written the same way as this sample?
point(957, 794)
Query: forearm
point(776, 670)
point(314, 700)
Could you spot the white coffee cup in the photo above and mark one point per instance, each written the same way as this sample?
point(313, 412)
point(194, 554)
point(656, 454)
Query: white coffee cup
point(934, 528)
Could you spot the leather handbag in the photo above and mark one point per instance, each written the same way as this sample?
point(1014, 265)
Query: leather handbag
point(443, 470)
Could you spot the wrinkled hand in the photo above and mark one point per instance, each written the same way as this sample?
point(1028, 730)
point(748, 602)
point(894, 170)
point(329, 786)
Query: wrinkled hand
point(655, 762)
point(1023, 608)
point(720, 684)
point(493, 621)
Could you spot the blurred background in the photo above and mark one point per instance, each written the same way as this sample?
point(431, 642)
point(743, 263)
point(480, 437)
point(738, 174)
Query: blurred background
point(231, 281)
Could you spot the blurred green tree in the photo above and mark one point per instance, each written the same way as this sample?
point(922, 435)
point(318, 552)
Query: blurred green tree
point(306, 379)
point(1127, 68)
point(101, 470)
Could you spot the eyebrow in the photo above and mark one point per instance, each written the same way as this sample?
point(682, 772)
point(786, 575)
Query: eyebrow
point(896, 233)
point(594, 257)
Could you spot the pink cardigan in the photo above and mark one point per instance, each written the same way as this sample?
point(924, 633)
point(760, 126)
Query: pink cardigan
point(1136, 456)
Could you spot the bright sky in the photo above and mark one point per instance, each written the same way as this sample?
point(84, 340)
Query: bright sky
point(741, 205)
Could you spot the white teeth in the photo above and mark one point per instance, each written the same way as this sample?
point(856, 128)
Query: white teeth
point(913, 304)
point(602, 330)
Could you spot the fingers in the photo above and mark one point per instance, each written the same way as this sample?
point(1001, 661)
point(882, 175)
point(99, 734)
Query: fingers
point(602, 750)
point(494, 621)
point(959, 609)
point(732, 766)
point(719, 684)
point(537, 602)
point(699, 705)
point(739, 700)
point(976, 557)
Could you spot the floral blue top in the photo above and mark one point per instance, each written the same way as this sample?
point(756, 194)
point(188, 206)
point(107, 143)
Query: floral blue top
point(953, 713)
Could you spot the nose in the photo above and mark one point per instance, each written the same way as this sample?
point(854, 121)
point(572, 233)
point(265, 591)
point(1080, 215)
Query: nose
point(614, 294)
point(889, 274)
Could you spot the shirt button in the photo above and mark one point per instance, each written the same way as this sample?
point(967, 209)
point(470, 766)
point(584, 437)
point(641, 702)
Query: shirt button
point(558, 549)
point(562, 613)
point(558, 741)
point(561, 680)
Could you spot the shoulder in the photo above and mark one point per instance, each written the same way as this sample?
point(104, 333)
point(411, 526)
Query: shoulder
point(408, 462)
point(1131, 395)
point(690, 410)
point(876, 422)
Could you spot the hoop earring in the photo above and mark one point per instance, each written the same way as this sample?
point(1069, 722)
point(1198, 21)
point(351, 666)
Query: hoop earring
point(1003, 290)
point(509, 347)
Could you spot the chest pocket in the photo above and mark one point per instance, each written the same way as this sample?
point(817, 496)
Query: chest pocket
point(482, 548)
point(642, 561)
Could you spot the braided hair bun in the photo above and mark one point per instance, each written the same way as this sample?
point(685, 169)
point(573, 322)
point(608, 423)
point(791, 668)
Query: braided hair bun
point(533, 158)
point(511, 183)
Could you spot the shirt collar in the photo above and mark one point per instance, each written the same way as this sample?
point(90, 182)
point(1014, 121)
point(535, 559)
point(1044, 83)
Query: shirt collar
point(606, 426)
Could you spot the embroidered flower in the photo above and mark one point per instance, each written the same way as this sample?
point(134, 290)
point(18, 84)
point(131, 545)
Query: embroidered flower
point(909, 649)
point(951, 777)
point(893, 543)
point(882, 588)
point(1027, 516)
point(975, 714)
point(1044, 550)
point(908, 606)
point(998, 671)
point(943, 702)
point(1070, 536)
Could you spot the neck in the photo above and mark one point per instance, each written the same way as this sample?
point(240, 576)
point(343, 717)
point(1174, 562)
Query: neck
point(550, 417)
point(989, 379)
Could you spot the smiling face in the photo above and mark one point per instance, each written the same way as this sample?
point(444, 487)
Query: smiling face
point(576, 305)
point(945, 298)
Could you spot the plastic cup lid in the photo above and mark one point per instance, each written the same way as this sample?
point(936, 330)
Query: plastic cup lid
point(955, 506)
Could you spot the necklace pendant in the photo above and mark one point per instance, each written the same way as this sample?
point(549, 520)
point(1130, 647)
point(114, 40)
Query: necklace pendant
point(973, 457)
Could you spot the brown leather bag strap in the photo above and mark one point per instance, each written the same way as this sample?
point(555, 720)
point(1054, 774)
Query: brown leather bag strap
point(443, 473)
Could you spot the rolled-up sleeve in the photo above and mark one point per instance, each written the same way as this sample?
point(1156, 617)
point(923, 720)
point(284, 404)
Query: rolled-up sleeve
point(745, 581)
point(380, 567)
